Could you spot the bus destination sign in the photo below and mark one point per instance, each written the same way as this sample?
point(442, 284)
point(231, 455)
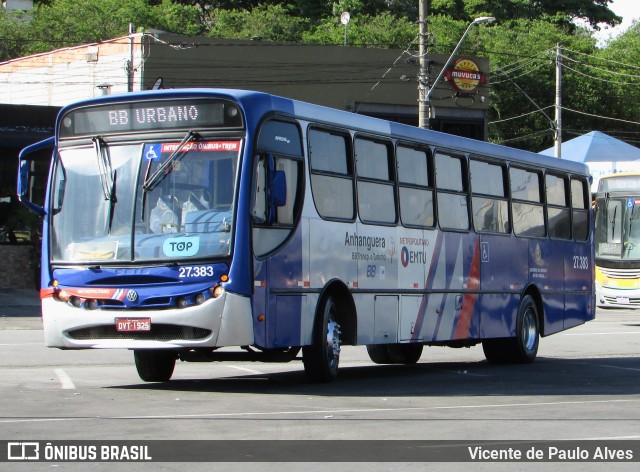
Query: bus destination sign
point(149, 116)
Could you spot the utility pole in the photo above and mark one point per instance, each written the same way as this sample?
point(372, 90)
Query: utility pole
point(558, 120)
point(129, 66)
point(423, 80)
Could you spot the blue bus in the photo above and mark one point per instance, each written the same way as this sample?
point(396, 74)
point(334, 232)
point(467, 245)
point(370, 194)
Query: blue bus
point(179, 222)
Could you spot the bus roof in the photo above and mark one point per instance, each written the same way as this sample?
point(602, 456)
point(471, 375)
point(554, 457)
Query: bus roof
point(266, 103)
point(619, 182)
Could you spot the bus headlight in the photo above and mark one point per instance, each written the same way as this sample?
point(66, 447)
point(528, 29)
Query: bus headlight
point(182, 302)
point(62, 295)
point(217, 291)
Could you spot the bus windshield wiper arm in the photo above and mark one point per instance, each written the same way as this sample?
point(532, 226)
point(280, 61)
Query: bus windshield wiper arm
point(104, 167)
point(107, 178)
point(112, 202)
point(144, 191)
point(155, 178)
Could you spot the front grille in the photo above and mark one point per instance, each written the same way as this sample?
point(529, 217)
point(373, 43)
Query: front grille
point(614, 301)
point(620, 273)
point(158, 332)
point(157, 301)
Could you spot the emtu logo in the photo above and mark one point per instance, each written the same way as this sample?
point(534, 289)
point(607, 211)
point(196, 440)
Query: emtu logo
point(404, 256)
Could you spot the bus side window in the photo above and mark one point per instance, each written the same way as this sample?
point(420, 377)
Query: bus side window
point(277, 199)
point(526, 205)
point(453, 206)
point(489, 204)
point(580, 209)
point(331, 174)
point(558, 213)
point(59, 186)
point(259, 210)
point(375, 184)
point(416, 187)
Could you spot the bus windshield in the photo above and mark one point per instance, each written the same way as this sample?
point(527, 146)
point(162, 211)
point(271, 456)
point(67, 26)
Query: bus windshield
point(618, 228)
point(158, 201)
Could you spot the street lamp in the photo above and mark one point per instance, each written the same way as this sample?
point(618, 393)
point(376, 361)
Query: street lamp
point(344, 19)
point(482, 19)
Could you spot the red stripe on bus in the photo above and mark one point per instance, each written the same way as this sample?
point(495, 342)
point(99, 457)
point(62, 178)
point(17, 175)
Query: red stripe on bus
point(469, 300)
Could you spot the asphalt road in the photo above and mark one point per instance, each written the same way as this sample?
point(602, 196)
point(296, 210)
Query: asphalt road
point(585, 385)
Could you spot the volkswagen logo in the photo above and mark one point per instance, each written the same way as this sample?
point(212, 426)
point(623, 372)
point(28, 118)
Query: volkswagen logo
point(132, 295)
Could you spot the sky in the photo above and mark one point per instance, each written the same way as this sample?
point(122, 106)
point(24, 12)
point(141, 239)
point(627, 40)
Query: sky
point(628, 10)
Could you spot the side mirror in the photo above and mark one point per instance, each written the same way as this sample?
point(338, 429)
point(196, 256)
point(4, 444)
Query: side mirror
point(24, 176)
point(25, 159)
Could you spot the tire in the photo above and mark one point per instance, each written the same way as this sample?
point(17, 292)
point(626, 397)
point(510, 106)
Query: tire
point(379, 353)
point(155, 365)
point(322, 357)
point(408, 353)
point(527, 332)
point(395, 353)
point(495, 350)
point(523, 348)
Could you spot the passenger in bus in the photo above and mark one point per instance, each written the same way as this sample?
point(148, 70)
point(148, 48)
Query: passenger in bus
point(164, 218)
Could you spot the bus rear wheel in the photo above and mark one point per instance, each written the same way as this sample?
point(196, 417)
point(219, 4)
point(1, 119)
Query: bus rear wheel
point(394, 353)
point(379, 353)
point(155, 365)
point(523, 348)
point(405, 353)
point(322, 357)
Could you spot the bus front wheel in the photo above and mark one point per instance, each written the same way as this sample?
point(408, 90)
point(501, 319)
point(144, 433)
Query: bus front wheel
point(155, 365)
point(322, 357)
point(523, 348)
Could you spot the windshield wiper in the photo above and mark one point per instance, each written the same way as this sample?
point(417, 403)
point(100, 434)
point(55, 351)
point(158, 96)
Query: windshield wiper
point(162, 171)
point(107, 177)
point(104, 167)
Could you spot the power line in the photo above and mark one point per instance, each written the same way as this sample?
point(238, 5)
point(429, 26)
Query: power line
point(519, 116)
point(522, 138)
point(598, 78)
point(600, 116)
point(604, 59)
point(601, 69)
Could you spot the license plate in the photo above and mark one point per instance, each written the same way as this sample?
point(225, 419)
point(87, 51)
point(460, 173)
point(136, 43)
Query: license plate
point(623, 300)
point(133, 324)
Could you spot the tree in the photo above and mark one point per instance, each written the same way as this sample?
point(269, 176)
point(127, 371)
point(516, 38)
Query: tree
point(383, 30)
point(60, 23)
point(269, 22)
point(594, 12)
point(616, 69)
point(13, 34)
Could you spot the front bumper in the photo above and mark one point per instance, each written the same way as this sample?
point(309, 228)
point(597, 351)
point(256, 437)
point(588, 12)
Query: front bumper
point(218, 322)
